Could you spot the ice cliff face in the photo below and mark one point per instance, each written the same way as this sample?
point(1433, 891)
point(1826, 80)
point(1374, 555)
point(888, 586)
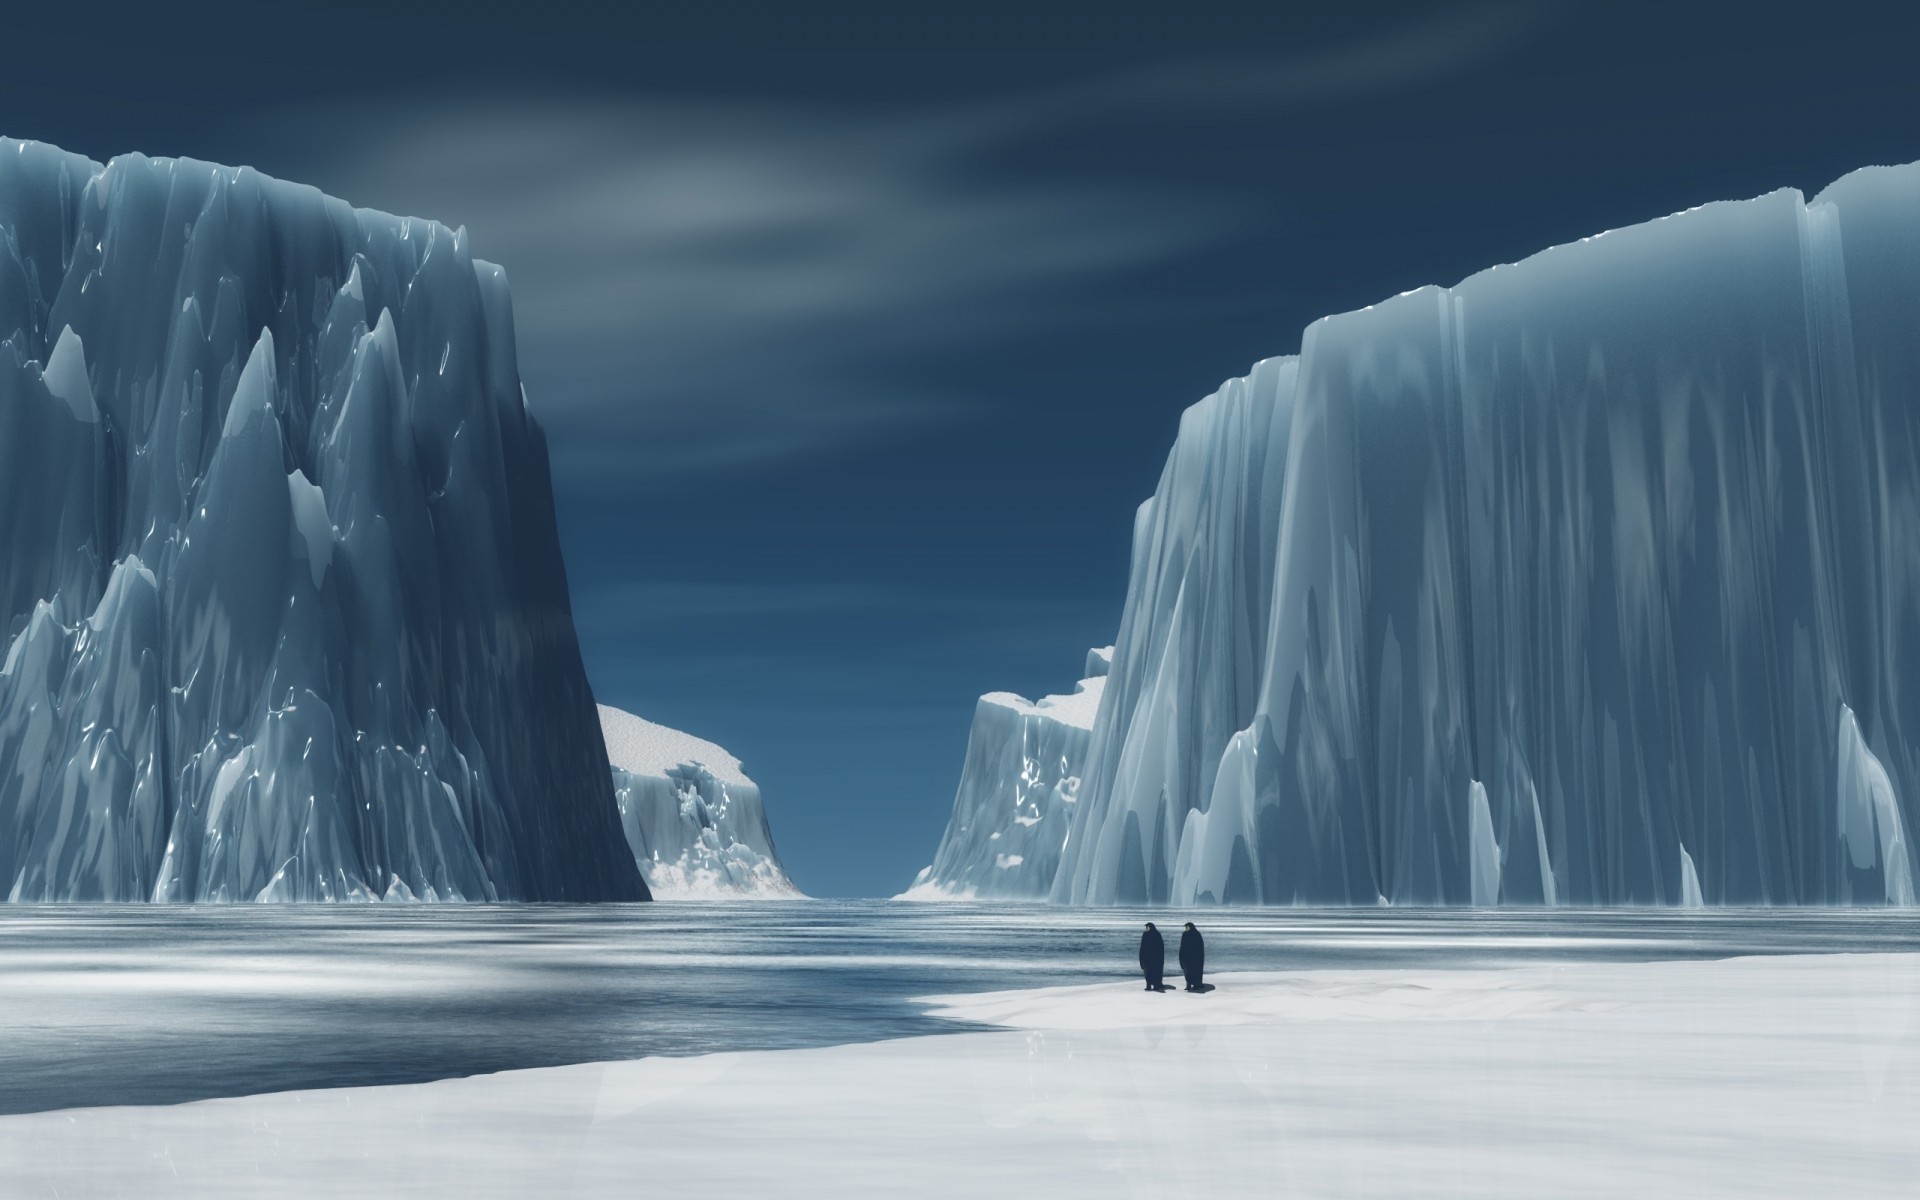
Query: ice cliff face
point(1590, 580)
point(694, 821)
point(1017, 793)
point(284, 609)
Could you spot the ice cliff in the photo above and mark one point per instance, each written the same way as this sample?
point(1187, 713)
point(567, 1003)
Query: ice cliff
point(1592, 580)
point(1018, 788)
point(694, 821)
point(283, 605)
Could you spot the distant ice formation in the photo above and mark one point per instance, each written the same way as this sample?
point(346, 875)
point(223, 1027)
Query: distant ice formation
point(693, 819)
point(1017, 791)
point(1592, 580)
point(283, 605)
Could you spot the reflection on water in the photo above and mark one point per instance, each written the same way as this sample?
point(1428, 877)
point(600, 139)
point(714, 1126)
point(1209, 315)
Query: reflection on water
point(137, 1005)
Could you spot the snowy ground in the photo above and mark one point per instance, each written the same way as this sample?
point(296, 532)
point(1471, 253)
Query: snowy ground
point(1787, 1076)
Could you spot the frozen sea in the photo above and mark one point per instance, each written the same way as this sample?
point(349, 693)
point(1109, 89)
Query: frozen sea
point(159, 1005)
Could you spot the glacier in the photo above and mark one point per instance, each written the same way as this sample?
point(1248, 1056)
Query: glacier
point(696, 824)
point(1590, 580)
point(284, 610)
point(1018, 787)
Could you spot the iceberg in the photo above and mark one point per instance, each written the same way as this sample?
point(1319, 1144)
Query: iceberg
point(284, 611)
point(694, 821)
point(1018, 788)
point(1589, 580)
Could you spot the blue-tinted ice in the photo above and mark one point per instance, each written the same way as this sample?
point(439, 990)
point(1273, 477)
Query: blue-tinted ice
point(155, 1005)
point(1594, 579)
point(284, 606)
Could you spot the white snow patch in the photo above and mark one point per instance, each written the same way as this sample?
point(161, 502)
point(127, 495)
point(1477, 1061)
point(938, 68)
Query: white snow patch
point(1245, 999)
point(640, 747)
point(1788, 1076)
point(1077, 710)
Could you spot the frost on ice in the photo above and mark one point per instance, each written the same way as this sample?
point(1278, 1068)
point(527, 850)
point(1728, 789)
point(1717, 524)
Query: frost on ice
point(1590, 580)
point(694, 821)
point(284, 611)
point(1017, 791)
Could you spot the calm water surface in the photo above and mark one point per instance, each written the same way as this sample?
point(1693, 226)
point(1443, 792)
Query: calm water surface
point(153, 1005)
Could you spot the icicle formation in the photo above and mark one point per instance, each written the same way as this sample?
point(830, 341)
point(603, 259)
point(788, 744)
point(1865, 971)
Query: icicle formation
point(282, 594)
point(1591, 580)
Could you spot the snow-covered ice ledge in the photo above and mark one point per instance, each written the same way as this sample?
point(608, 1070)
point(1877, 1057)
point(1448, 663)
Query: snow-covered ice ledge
point(1790, 1076)
point(696, 824)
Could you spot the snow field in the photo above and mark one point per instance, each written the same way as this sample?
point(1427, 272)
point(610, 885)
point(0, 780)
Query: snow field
point(1787, 1076)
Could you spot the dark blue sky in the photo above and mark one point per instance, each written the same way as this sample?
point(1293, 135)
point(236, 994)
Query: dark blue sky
point(859, 329)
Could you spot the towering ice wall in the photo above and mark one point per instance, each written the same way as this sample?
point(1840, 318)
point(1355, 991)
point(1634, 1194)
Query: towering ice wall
point(1018, 788)
point(282, 598)
point(694, 821)
point(1592, 580)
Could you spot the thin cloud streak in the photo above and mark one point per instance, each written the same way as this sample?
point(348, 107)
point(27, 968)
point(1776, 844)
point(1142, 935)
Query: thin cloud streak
point(1400, 57)
point(702, 285)
point(692, 277)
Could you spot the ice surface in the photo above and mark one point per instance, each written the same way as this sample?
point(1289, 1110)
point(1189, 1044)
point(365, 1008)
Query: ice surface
point(284, 610)
point(1018, 786)
point(1614, 541)
point(161, 1004)
point(1267, 997)
point(1773, 1077)
point(695, 822)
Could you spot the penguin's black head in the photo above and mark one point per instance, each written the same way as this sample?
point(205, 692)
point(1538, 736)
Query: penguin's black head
point(1189, 924)
point(1149, 924)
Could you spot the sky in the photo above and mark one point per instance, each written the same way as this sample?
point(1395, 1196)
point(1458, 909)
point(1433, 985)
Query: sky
point(860, 329)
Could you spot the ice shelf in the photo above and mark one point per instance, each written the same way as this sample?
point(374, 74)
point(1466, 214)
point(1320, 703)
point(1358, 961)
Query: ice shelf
point(1590, 580)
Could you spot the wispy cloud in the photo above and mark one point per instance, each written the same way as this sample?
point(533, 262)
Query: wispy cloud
point(695, 284)
point(704, 283)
